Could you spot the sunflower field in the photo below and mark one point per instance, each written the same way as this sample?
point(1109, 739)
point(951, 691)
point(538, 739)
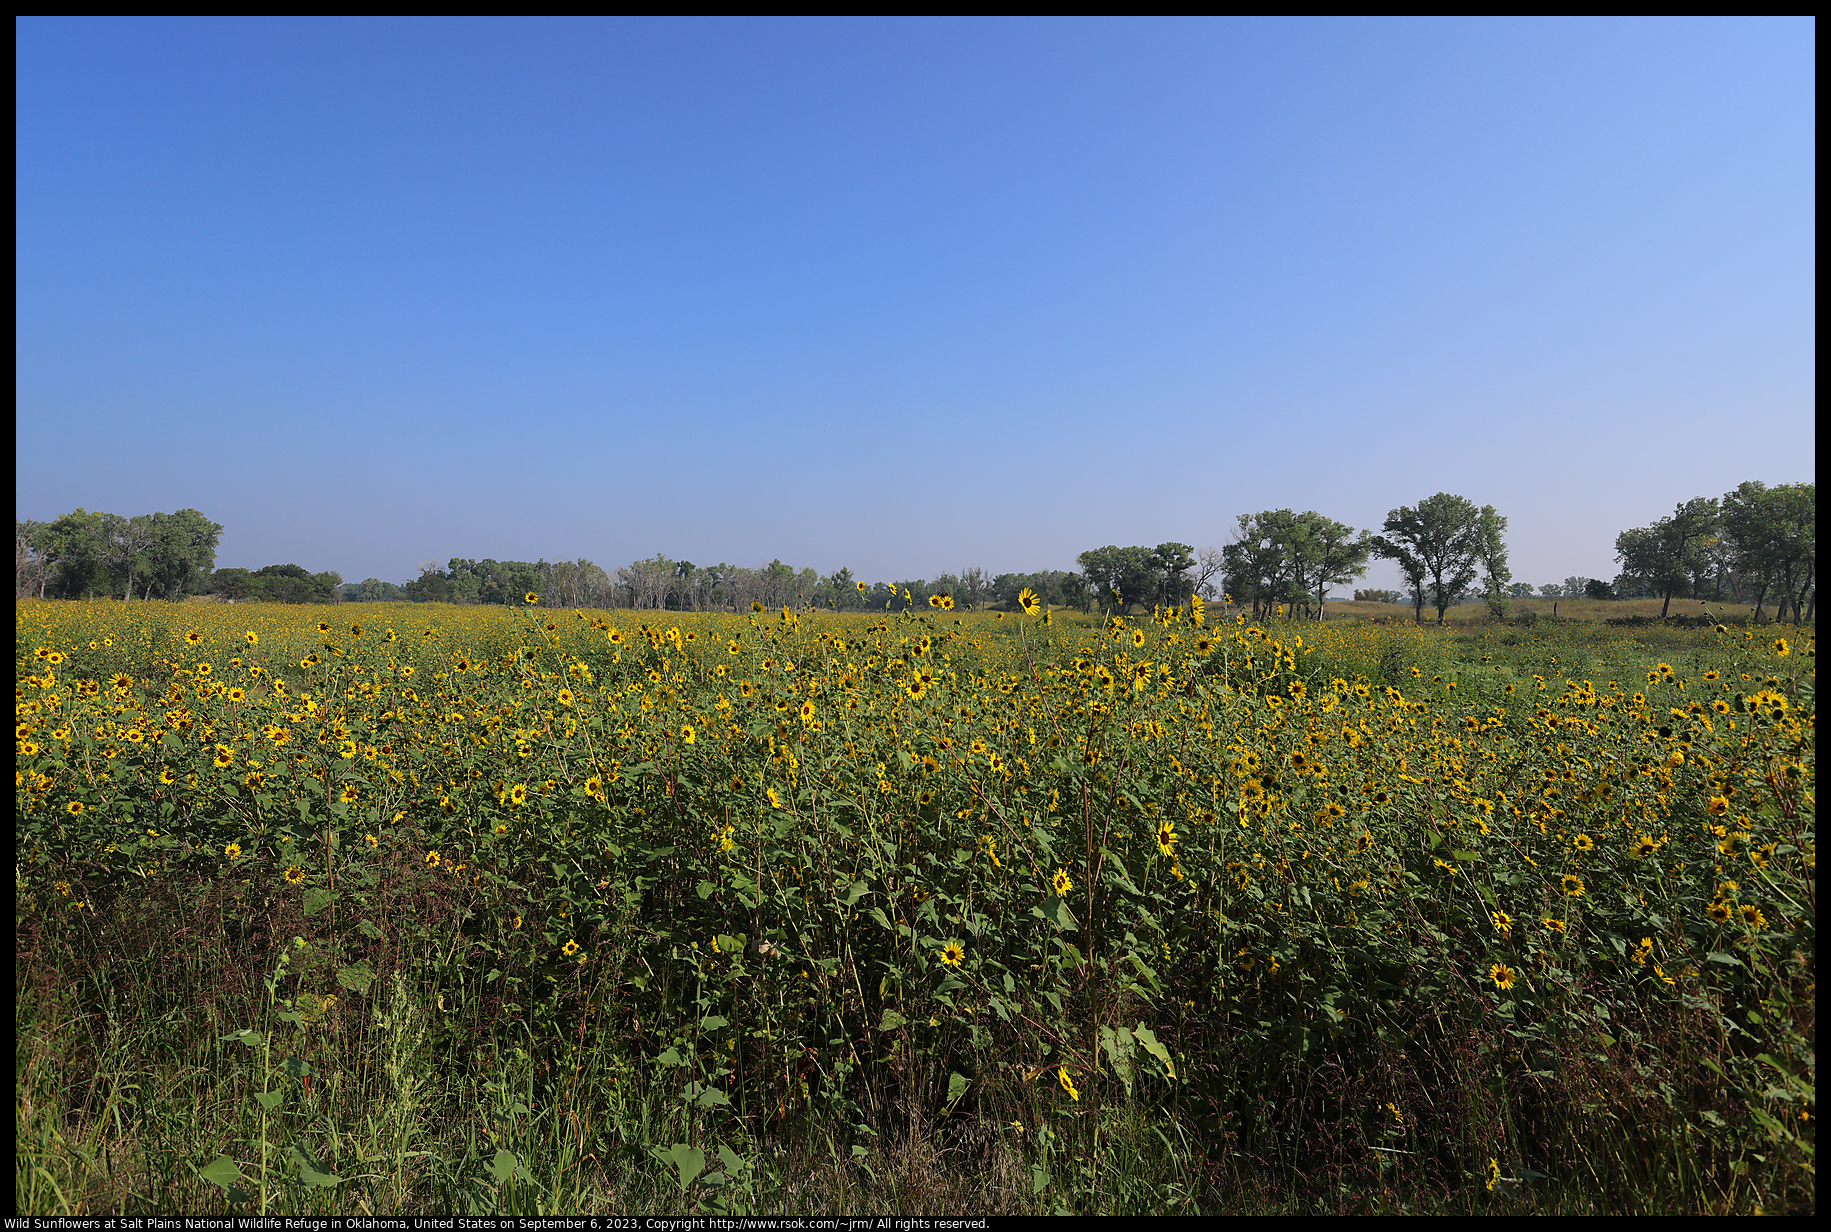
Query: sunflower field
point(432, 908)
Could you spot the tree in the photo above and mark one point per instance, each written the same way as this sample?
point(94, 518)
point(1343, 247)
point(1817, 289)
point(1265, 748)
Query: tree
point(1441, 546)
point(1338, 554)
point(1491, 550)
point(1774, 532)
point(1210, 564)
point(1663, 556)
point(1129, 573)
point(1171, 562)
point(1254, 561)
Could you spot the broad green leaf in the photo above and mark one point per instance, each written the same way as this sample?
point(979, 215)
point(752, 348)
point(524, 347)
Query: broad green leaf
point(222, 1172)
point(712, 1097)
point(312, 1170)
point(956, 1087)
point(687, 1161)
point(713, 1022)
point(1148, 1040)
point(891, 1021)
point(269, 1099)
point(855, 891)
point(356, 978)
point(506, 1167)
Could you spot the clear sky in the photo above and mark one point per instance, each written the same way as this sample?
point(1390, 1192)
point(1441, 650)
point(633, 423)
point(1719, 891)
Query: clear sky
point(906, 296)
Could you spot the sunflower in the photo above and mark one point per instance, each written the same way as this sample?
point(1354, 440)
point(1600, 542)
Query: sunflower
point(1166, 838)
point(233, 850)
point(1583, 842)
point(1551, 925)
point(349, 794)
point(518, 795)
point(1027, 600)
point(1493, 1173)
point(1572, 885)
point(1061, 883)
point(432, 858)
point(1137, 637)
point(687, 736)
point(74, 807)
point(1061, 1075)
point(223, 756)
point(1751, 916)
point(295, 874)
point(1644, 846)
point(253, 638)
point(569, 949)
point(1503, 923)
point(1502, 975)
point(530, 597)
point(953, 953)
point(775, 801)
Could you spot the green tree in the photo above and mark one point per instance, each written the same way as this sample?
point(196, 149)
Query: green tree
point(1774, 533)
point(1439, 547)
point(1663, 557)
point(1130, 573)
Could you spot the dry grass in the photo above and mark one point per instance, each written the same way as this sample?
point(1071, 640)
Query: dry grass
point(1565, 609)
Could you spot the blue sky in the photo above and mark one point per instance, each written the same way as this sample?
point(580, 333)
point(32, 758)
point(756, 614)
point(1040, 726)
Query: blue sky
point(906, 296)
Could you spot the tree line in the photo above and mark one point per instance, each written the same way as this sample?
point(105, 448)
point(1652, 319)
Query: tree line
point(1754, 544)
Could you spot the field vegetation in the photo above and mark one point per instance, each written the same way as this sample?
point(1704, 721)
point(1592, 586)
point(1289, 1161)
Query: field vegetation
point(436, 908)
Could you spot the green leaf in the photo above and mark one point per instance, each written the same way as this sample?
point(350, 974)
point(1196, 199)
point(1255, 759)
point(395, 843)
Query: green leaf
point(1151, 1045)
point(1055, 909)
point(506, 1167)
point(269, 1099)
point(687, 1161)
point(1718, 956)
point(244, 1037)
point(705, 889)
point(368, 929)
point(1465, 857)
point(312, 1170)
point(854, 892)
point(1119, 1048)
point(712, 1097)
point(357, 978)
point(891, 1021)
point(297, 1067)
point(713, 1022)
point(223, 1172)
point(317, 899)
point(670, 1057)
point(956, 1087)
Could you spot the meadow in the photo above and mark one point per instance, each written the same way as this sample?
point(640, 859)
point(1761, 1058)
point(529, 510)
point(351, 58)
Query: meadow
point(422, 908)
